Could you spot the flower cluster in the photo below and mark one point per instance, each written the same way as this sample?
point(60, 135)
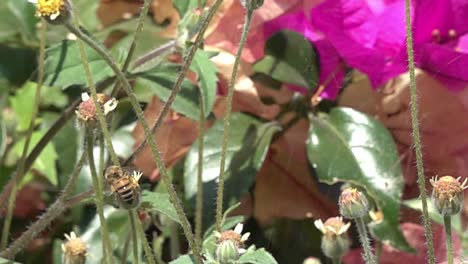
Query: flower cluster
point(370, 35)
point(54, 11)
point(86, 111)
point(447, 194)
point(230, 244)
point(74, 249)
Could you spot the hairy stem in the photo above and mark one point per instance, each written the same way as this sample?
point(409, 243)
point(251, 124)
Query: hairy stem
point(99, 200)
point(55, 210)
point(133, 232)
point(369, 258)
point(219, 199)
point(416, 136)
point(143, 239)
point(154, 149)
point(199, 198)
point(131, 51)
point(448, 238)
point(180, 78)
point(21, 167)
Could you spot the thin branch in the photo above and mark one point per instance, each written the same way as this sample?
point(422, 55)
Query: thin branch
point(21, 167)
point(54, 211)
point(219, 199)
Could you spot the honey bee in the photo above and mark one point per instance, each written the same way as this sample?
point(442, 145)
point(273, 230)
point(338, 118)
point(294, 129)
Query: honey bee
point(123, 186)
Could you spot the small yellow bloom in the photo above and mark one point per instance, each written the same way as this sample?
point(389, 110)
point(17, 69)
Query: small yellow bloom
point(74, 249)
point(49, 8)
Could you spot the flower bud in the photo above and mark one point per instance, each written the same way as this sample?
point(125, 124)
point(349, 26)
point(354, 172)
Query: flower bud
point(353, 203)
point(56, 12)
point(230, 244)
point(74, 250)
point(86, 111)
point(251, 4)
point(447, 195)
point(335, 241)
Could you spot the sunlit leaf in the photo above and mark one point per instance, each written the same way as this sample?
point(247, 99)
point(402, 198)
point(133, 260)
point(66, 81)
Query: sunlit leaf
point(249, 141)
point(63, 66)
point(184, 259)
point(259, 256)
point(349, 146)
point(159, 202)
point(160, 82)
point(207, 79)
point(45, 162)
point(290, 58)
point(18, 21)
point(22, 104)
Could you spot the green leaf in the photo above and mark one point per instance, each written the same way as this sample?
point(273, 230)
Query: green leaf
point(16, 65)
point(45, 163)
point(249, 141)
point(160, 82)
point(18, 21)
point(259, 256)
point(436, 217)
point(184, 259)
point(7, 261)
point(22, 104)
point(63, 66)
point(207, 78)
point(290, 58)
point(183, 6)
point(352, 147)
point(160, 203)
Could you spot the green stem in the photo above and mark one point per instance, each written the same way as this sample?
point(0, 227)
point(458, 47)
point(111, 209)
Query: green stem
point(416, 136)
point(139, 113)
point(133, 232)
point(378, 252)
point(107, 248)
point(139, 28)
point(143, 239)
point(21, 167)
point(219, 203)
point(448, 238)
point(369, 258)
point(55, 210)
point(180, 78)
point(199, 198)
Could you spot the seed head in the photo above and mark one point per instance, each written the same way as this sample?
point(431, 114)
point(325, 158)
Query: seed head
point(447, 194)
point(74, 249)
point(335, 241)
point(230, 244)
point(353, 203)
point(86, 111)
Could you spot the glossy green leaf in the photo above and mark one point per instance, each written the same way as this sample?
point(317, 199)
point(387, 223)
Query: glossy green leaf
point(159, 202)
point(16, 65)
point(259, 256)
point(45, 163)
point(207, 78)
point(160, 82)
point(290, 58)
point(63, 66)
point(436, 217)
point(352, 147)
point(249, 141)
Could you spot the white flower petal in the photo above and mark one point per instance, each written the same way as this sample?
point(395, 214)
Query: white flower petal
point(344, 228)
point(238, 228)
point(319, 224)
point(84, 97)
point(33, 1)
point(245, 237)
point(137, 175)
point(54, 16)
point(110, 105)
point(217, 234)
point(241, 251)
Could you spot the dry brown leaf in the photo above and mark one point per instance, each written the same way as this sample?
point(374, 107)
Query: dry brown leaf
point(284, 186)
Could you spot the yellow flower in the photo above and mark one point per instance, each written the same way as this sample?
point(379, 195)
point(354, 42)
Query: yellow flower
point(49, 8)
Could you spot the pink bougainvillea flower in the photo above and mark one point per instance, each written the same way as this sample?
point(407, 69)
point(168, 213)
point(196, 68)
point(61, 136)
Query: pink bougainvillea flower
point(370, 35)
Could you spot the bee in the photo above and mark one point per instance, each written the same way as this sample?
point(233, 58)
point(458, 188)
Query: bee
point(123, 186)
